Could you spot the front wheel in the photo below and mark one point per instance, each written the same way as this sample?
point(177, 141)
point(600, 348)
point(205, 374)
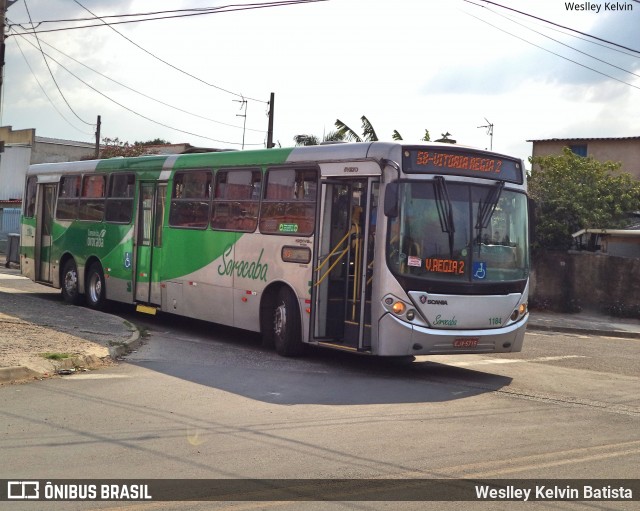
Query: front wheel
point(287, 331)
point(95, 287)
point(70, 289)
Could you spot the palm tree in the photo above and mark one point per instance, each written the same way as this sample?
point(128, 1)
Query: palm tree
point(368, 133)
point(304, 140)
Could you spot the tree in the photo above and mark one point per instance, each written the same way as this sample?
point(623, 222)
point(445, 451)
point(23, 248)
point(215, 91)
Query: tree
point(306, 140)
point(573, 193)
point(113, 147)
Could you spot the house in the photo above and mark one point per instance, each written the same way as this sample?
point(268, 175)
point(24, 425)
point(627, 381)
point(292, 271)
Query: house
point(625, 150)
point(613, 242)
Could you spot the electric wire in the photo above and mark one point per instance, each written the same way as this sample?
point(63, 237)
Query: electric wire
point(564, 44)
point(23, 35)
point(138, 113)
point(47, 95)
point(552, 52)
point(164, 61)
point(51, 73)
point(555, 24)
point(224, 9)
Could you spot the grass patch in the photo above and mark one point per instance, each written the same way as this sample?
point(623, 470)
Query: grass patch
point(56, 356)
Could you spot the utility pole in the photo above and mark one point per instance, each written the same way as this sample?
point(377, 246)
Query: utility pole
point(98, 125)
point(244, 128)
point(270, 143)
point(4, 5)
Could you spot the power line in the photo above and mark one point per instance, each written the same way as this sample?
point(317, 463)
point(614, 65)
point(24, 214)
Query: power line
point(45, 92)
point(220, 10)
point(51, 73)
point(23, 35)
point(164, 61)
point(138, 113)
point(555, 24)
point(564, 44)
point(552, 52)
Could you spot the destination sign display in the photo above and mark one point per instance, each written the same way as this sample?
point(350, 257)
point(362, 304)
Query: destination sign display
point(463, 163)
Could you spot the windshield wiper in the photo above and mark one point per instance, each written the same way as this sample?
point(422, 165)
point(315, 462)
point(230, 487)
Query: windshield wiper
point(487, 208)
point(445, 209)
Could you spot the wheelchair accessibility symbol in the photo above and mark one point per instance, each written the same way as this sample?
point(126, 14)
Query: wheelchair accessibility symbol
point(479, 270)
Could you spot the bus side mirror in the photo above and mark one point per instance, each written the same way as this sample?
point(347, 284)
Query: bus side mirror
point(391, 200)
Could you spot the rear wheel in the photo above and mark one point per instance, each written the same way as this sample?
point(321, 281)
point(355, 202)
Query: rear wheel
point(96, 287)
point(287, 332)
point(70, 289)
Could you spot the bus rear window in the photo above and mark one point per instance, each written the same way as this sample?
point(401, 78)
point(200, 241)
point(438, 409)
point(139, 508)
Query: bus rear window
point(289, 203)
point(190, 199)
point(68, 198)
point(91, 206)
point(236, 201)
point(119, 207)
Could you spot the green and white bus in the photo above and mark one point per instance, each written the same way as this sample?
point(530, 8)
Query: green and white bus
point(380, 248)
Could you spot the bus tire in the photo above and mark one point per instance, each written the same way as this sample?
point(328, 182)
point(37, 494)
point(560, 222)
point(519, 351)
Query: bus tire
point(70, 288)
point(287, 331)
point(95, 288)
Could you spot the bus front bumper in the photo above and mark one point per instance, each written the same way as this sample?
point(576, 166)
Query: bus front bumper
point(399, 338)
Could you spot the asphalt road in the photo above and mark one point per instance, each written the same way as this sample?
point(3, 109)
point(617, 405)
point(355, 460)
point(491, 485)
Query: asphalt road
point(201, 401)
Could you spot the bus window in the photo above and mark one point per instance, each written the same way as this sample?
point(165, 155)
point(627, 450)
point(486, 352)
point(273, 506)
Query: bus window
point(68, 198)
point(289, 203)
point(190, 199)
point(91, 205)
point(236, 201)
point(119, 207)
point(30, 197)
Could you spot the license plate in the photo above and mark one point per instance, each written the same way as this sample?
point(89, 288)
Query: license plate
point(466, 342)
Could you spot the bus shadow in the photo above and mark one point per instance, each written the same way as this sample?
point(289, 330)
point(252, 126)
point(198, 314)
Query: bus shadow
point(236, 362)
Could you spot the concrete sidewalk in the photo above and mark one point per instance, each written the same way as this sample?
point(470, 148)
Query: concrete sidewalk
point(35, 320)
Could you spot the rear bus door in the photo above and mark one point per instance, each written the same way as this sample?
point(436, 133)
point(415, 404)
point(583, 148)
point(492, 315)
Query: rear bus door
point(150, 217)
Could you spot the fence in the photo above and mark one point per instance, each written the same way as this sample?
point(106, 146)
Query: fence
point(9, 222)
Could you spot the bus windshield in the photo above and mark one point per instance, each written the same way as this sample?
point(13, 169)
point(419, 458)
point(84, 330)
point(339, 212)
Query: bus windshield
point(459, 232)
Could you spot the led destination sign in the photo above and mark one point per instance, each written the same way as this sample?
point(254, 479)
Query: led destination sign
point(463, 163)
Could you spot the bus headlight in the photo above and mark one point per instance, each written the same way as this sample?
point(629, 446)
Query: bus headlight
point(411, 314)
point(519, 312)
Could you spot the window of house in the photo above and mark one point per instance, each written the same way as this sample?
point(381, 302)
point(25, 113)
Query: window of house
point(289, 204)
point(237, 200)
point(67, 208)
point(579, 149)
point(91, 204)
point(120, 195)
point(190, 198)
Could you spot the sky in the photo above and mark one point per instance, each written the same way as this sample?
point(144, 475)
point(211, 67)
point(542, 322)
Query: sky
point(408, 65)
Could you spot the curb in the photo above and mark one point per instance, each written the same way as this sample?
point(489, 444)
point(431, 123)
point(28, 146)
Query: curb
point(587, 331)
point(69, 365)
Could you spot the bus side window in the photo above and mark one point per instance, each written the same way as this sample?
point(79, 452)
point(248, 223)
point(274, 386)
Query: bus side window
point(67, 208)
point(236, 200)
point(120, 195)
point(30, 198)
point(92, 198)
point(190, 199)
point(289, 203)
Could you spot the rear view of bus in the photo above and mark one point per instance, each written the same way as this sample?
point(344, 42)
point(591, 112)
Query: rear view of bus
point(456, 254)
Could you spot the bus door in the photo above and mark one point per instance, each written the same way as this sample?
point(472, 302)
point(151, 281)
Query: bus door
point(150, 217)
point(44, 228)
point(344, 263)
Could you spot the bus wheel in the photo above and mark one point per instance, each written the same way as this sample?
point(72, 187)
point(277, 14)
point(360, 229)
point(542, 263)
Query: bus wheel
point(95, 288)
point(70, 289)
point(286, 325)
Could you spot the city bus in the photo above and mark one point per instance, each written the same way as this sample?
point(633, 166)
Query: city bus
point(387, 249)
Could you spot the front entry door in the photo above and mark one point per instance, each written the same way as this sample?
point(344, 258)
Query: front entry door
point(149, 242)
point(344, 262)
